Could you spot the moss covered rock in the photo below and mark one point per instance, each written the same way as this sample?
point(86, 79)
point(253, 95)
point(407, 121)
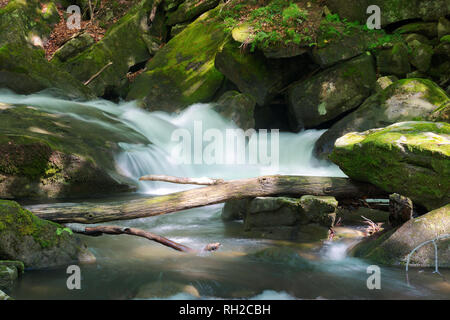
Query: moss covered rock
point(9, 272)
point(183, 72)
point(410, 158)
point(331, 92)
point(427, 29)
point(394, 60)
point(394, 246)
point(443, 27)
point(256, 75)
point(24, 26)
point(189, 10)
point(127, 43)
point(421, 54)
point(53, 156)
point(74, 46)
point(237, 107)
point(404, 100)
point(391, 10)
point(37, 243)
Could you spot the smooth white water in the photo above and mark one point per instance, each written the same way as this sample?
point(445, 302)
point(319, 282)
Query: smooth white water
point(158, 156)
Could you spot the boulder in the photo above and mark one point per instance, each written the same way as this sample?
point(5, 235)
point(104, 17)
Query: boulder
point(394, 60)
point(49, 156)
point(409, 158)
point(37, 243)
point(331, 92)
point(74, 46)
point(394, 246)
point(443, 27)
point(306, 219)
point(237, 107)
point(190, 9)
point(421, 55)
point(384, 82)
point(9, 272)
point(427, 29)
point(391, 10)
point(404, 100)
point(256, 75)
point(347, 45)
point(127, 43)
point(24, 27)
point(234, 209)
point(183, 72)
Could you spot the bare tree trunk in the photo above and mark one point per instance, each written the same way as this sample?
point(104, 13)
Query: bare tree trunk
point(294, 186)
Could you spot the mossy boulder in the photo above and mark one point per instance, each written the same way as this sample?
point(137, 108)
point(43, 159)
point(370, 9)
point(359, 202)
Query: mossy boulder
point(53, 156)
point(237, 107)
point(305, 219)
point(409, 158)
point(9, 272)
point(394, 60)
point(331, 92)
point(427, 29)
point(183, 72)
point(127, 43)
point(421, 55)
point(189, 10)
point(391, 10)
point(394, 246)
point(384, 82)
point(442, 114)
point(74, 46)
point(443, 27)
point(37, 243)
point(4, 296)
point(345, 46)
point(256, 75)
point(24, 27)
point(404, 100)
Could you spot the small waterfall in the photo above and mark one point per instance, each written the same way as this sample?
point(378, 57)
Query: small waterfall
point(159, 156)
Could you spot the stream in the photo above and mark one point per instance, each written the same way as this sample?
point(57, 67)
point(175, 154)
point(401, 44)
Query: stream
point(129, 267)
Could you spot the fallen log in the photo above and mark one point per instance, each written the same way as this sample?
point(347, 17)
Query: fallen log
point(116, 230)
point(180, 180)
point(295, 186)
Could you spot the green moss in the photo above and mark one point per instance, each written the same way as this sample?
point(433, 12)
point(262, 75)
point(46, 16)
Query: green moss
point(23, 223)
point(183, 71)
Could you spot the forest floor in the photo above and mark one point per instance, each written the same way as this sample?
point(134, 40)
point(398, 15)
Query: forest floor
point(3, 3)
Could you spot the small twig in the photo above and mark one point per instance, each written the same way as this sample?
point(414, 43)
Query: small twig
point(98, 73)
point(372, 226)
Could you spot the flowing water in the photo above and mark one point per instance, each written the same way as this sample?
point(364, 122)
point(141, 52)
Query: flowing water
point(130, 267)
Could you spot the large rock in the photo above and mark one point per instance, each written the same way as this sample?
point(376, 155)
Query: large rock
point(74, 46)
point(127, 43)
point(404, 100)
point(238, 107)
point(331, 93)
point(183, 72)
point(421, 54)
point(304, 219)
point(409, 158)
point(9, 272)
point(391, 10)
point(256, 75)
point(23, 67)
point(54, 156)
point(189, 10)
point(393, 247)
point(37, 243)
point(394, 60)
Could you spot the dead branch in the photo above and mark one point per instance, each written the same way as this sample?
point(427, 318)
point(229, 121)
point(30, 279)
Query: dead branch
point(178, 180)
point(98, 73)
point(116, 230)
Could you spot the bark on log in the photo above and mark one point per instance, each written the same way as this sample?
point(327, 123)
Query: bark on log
point(179, 180)
point(295, 186)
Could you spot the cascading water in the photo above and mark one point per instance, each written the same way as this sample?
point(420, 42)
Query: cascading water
point(129, 267)
point(159, 156)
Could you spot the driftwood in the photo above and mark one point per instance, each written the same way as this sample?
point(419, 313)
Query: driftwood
point(178, 180)
point(116, 230)
point(295, 186)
